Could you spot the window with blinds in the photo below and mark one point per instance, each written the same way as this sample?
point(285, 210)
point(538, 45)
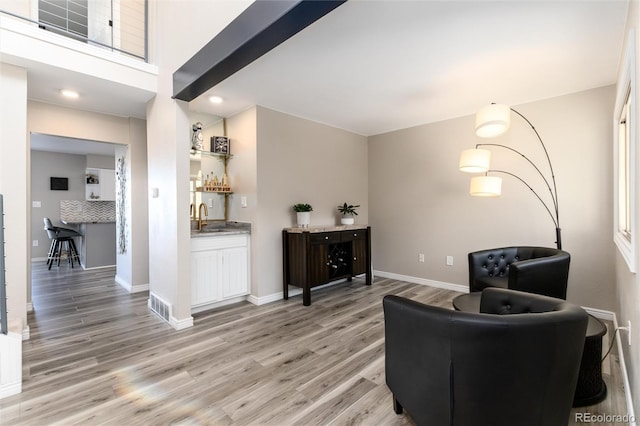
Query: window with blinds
point(70, 17)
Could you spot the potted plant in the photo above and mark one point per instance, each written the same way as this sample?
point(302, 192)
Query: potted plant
point(348, 212)
point(303, 214)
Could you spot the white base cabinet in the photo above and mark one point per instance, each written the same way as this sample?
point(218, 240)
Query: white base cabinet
point(219, 270)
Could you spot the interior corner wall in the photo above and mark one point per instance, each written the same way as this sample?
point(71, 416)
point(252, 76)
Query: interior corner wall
point(132, 242)
point(420, 202)
point(138, 205)
point(627, 283)
point(301, 161)
point(14, 185)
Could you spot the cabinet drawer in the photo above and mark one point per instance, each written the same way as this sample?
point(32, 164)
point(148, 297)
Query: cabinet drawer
point(325, 238)
point(356, 234)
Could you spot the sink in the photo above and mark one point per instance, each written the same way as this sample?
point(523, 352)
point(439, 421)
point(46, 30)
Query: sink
point(207, 231)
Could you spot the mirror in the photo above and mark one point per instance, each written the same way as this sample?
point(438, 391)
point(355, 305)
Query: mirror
point(205, 167)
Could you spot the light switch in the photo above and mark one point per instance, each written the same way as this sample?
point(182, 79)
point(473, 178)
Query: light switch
point(36, 204)
point(154, 192)
point(243, 201)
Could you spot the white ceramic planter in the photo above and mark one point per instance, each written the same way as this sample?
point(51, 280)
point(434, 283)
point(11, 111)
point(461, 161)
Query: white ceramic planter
point(304, 219)
point(347, 220)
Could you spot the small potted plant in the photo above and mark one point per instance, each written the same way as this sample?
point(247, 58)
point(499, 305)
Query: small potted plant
point(303, 214)
point(348, 212)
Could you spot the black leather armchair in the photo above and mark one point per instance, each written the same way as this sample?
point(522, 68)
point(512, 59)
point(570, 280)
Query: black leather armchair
point(515, 363)
point(540, 270)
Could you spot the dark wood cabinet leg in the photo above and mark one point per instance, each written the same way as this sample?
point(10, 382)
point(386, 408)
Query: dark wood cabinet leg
point(306, 296)
point(396, 406)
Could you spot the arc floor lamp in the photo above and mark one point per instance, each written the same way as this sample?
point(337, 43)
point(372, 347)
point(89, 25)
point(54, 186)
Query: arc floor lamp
point(491, 121)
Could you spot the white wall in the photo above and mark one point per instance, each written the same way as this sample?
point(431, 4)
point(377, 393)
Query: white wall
point(627, 284)
point(14, 184)
point(420, 201)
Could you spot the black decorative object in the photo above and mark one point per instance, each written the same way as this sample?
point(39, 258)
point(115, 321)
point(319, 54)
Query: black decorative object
point(220, 145)
point(59, 183)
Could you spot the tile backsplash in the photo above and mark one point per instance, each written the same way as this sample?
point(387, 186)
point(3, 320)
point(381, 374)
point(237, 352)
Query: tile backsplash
point(75, 211)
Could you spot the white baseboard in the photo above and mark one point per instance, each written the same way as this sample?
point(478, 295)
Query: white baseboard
point(181, 324)
point(600, 313)
point(625, 375)
point(265, 299)
point(422, 281)
point(10, 389)
point(292, 292)
point(208, 306)
point(97, 267)
point(131, 288)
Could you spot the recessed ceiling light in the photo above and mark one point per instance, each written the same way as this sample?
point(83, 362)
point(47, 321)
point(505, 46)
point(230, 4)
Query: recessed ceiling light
point(215, 99)
point(69, 93)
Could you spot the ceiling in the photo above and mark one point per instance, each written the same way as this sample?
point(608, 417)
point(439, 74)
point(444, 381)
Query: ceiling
point(376, 66)
point(372, 67)
point(50, 143)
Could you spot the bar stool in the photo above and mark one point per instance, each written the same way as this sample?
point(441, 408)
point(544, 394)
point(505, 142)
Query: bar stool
point(61, 237)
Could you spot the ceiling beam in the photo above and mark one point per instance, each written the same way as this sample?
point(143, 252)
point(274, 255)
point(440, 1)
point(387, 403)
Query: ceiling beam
point(257, 30)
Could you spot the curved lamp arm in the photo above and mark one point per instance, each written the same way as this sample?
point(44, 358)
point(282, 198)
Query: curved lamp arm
point(546, 181)
point(555, 222)
point(494, 120)
point(546, 153)
point(554, 219)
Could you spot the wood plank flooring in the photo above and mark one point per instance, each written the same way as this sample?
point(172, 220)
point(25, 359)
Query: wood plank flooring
point(98, 356)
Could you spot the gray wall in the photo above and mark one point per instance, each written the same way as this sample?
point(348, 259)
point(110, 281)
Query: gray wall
point(43, 166)
point(419, 201)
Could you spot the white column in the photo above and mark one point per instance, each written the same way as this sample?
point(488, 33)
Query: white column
point(14, 185)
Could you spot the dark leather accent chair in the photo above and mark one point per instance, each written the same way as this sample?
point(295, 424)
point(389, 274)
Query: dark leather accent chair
point(540, 270)
point(514, 363)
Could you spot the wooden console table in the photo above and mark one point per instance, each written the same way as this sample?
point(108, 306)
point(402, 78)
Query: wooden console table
point(318, 255)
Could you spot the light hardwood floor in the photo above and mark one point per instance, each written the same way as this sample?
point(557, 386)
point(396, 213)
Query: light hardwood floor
point(98, 356)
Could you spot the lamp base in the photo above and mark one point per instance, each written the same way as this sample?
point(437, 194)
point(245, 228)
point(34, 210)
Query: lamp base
point(558, 239)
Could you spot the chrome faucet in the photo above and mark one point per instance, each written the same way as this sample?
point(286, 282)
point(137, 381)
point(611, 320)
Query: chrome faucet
point(206, 212)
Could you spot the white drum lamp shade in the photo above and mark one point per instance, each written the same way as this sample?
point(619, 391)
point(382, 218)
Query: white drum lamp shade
point(493, 120)
point(474, 160)
point(485, 186)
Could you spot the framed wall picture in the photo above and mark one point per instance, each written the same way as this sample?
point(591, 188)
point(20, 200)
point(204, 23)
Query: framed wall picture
point(220, 145)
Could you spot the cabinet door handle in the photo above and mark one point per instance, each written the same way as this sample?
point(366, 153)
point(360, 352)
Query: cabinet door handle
point(355, 258)
point(326, 238)
point(355, 235)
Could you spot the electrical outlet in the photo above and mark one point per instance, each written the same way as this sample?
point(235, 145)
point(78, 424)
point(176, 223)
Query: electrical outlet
point(449, 260)
point(421, 257)
point(36, 204)
point(34, 243)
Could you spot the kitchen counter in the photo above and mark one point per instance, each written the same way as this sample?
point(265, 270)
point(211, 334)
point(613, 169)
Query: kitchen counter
point(98, 242)
point(213, 229)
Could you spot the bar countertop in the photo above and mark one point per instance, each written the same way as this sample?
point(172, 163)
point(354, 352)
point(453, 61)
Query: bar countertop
point(325, 228)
